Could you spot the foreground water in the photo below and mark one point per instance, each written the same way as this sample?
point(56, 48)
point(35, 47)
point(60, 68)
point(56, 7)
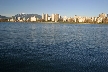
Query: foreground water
point(28, 47)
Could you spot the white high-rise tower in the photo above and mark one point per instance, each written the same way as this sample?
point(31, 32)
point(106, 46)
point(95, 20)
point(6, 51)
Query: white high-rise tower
point(43, 16)
point(46, 17)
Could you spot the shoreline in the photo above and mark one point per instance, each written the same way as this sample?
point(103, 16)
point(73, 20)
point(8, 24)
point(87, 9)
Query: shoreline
point(48, 22)
point(61, 23)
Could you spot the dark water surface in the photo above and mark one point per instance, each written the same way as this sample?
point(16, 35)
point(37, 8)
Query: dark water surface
point(29, 47)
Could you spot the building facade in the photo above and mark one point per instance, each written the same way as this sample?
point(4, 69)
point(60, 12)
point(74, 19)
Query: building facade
point(43, 16)
point(65, 18)
point(102, 15)
point(53, 17)
point(56, 17)
point(46, 17)
point(33, 19)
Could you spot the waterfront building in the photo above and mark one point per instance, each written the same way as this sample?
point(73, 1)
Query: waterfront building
point(102, 15)
point(53, 17)
point(33, 19)
point(21, 20)
point(84, 18)
point(18, 18)
point(60, 17)
point(95, 18)
point(56, 17)
point(106, 21)
point(43, 16)
point(64, 18)
point(8, 19)
point(49, 18)
point(92, 18)
point(80, 19)
point(11, 19)
point(24, 19)
point(99, 20)
point(46, 17)
point(28, 19)
point(75, 18)
point(70, 19)
point(37, 19)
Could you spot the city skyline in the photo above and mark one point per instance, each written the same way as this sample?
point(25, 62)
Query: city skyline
point(63, 7)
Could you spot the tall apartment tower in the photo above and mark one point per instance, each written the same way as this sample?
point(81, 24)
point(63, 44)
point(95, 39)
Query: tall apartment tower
point(53, 17)
point(43, 16)
point(56, 17)
point(46, 17)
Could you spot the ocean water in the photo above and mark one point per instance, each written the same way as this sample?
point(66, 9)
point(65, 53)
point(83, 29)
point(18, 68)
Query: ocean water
point(39, 47)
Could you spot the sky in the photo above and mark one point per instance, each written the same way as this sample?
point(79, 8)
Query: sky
point(63, 7)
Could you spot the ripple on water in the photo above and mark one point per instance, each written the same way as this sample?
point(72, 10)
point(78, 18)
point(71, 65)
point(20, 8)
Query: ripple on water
point(53, 47)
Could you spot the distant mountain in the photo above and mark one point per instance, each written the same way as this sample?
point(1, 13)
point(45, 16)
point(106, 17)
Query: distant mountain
point(27, 15)
point(3, 17)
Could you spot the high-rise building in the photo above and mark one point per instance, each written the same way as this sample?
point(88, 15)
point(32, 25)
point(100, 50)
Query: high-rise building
point(46, 17)
point(53, 17)
point(43, 16)
point(56, 17)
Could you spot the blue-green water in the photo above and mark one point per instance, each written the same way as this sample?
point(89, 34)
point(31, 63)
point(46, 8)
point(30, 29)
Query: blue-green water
point(30, 47)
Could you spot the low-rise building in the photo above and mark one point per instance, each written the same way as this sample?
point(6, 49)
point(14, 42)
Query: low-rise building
point(49, 18)
point(65, 18)
point(81, 19)
point(99, 20)
point(33, 19)
point(11, 20)
point(102, 15)
point(18, 18)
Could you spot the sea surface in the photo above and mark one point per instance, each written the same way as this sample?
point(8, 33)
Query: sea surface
point(39, 47)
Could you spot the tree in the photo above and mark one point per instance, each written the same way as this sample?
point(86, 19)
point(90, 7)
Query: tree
point(77, 21)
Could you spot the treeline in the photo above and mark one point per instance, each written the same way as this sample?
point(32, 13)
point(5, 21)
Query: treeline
point(3, 20)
